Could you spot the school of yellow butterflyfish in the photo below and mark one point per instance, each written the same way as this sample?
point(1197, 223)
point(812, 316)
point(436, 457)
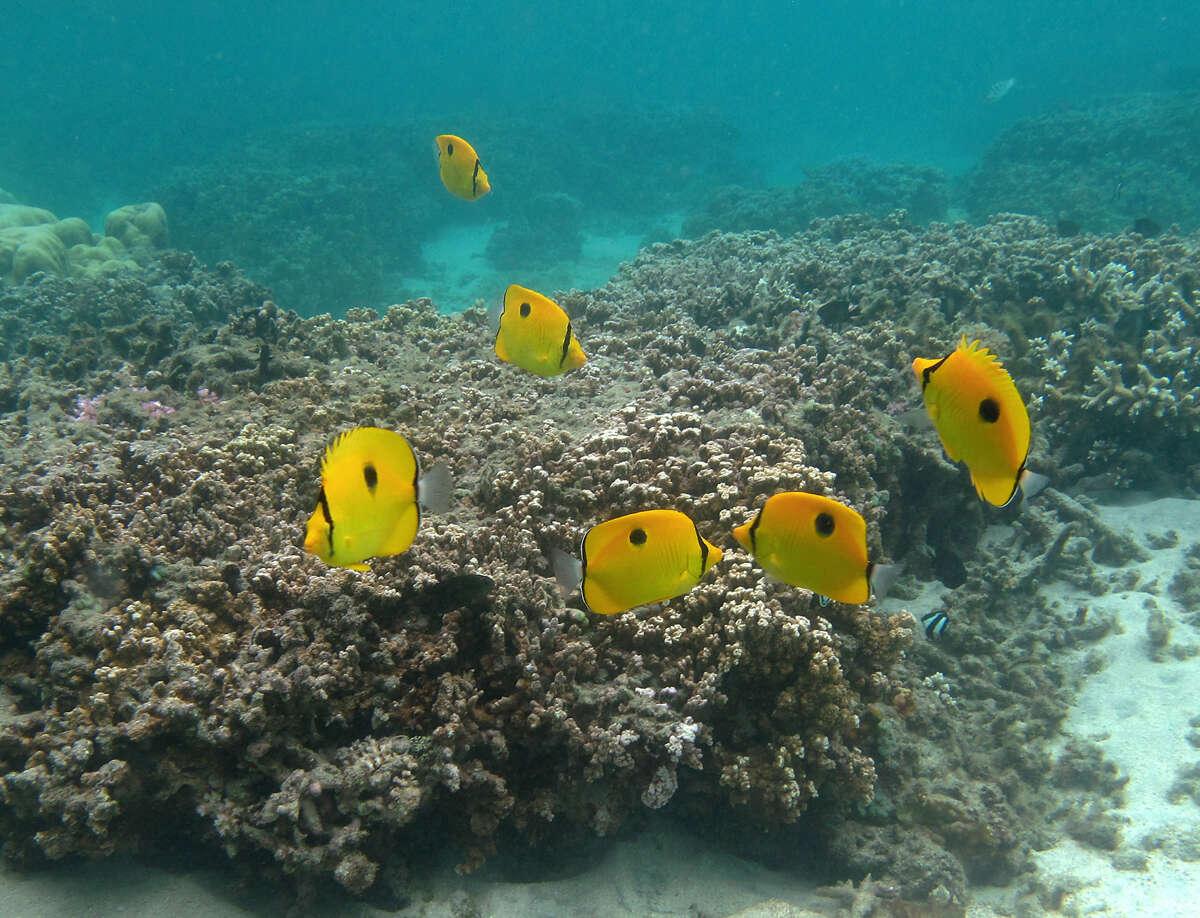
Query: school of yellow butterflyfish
point(372, 490)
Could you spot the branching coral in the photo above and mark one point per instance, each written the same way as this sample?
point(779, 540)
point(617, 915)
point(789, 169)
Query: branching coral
point(1154, 396)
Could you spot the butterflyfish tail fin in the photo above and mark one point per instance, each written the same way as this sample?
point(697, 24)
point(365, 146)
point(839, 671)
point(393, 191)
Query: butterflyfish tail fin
point(435, 488)
point(568, 571)
point(882, 577)
point(495, 311)
point(1032, 482)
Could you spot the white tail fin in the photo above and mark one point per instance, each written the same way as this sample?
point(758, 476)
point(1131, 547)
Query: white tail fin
point(435, 488)
point(882, 577)
point(1032, 482)
point(568, 571)
point(495, 311)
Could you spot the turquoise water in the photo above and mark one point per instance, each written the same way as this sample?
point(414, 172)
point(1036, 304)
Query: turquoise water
point(295, 141)
point(115, 95)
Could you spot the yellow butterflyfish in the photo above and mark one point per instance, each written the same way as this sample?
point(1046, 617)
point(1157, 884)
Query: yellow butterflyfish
point(372, 492)
point(533, 333)
point(636, 559)
point(817, 543)
point(981, 420)
point(461, 171)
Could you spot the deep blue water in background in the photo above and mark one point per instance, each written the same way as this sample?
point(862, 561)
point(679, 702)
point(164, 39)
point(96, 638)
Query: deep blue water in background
point(102, 99)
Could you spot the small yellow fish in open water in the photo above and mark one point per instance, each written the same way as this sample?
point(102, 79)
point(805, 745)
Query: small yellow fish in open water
point(459, 165)
point(979, 415)
point(534, 333)
point(636, 559)
point(371, 494)
point(817, 543)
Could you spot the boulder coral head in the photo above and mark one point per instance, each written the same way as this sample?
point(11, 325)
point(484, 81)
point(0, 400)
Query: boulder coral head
point(141, 227)
point(33, 240)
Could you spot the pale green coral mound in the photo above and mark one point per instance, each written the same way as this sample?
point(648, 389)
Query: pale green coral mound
point(107, 256)
point(13, 214)
point(139, 226)
point(34, 240)
point(28, 243)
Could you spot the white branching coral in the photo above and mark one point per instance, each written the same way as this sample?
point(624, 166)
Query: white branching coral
point(1114, 286)
point(1152, 395)
point(1054, 354)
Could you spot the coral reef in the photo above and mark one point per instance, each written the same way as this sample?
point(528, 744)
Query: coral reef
point(1061, 310)
point(175, 659)
point(852, 186)
point(141, 227)
point(321, 213)
point(1101, 165)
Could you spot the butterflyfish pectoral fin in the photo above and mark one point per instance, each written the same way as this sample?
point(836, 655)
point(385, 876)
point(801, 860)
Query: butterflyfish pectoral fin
point(435, 488)
point(568, 571)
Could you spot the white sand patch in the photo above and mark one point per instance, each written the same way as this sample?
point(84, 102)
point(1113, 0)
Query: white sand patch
point(457, 271)
point(1137, 710)
point(120, 886)
point(663, 872)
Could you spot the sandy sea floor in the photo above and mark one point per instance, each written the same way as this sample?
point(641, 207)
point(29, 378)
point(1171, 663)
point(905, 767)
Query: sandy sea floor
point(458, 273)
point(1138, 710)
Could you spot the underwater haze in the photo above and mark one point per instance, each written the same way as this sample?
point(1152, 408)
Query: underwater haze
point(614, 459)
point(118, 94)
point(294, 140)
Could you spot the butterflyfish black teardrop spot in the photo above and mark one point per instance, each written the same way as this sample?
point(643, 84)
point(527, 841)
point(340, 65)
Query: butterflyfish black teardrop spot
point(370, 499)
point(981, 420)
point(534, 333)
point(635, 560)
point(459, 166)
